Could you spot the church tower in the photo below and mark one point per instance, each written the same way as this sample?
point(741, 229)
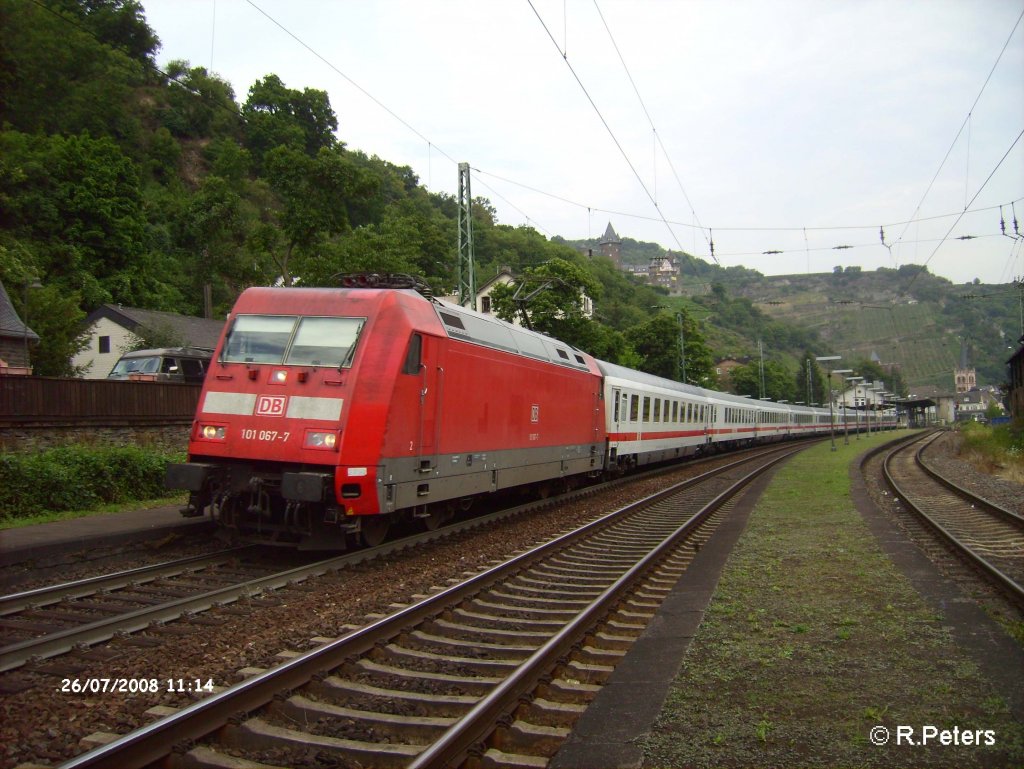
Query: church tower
point(964, 375)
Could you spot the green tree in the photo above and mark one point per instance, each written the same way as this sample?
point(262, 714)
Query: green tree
point(818, 385)
point(277, 116)
point(79, 199)
point(657, 344)
point(216, 224)
point(198, 104)
point(320, 196)
point(62, 70)
point(552, 296)
point(120, 24)
point(56, 317)
point(778, 382)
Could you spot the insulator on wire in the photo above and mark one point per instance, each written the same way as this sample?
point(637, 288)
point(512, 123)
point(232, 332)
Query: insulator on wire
point(1002, 221)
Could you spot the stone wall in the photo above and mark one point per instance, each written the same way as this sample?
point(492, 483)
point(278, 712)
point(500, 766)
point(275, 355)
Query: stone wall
point(35, 436)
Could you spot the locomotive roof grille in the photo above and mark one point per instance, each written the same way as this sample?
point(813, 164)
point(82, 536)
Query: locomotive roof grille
point(383, 280)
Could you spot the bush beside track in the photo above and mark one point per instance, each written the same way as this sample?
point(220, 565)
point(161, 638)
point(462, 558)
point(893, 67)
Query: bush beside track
point(79, 478)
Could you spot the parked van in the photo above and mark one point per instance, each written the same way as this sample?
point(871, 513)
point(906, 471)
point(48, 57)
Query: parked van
point(166, 364)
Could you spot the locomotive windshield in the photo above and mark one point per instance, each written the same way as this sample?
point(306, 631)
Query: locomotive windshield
point(291, 339)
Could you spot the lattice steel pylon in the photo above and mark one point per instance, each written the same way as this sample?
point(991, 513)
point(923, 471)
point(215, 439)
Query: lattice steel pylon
point(466, 277)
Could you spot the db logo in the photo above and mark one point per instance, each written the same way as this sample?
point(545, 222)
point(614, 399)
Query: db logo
point(271, 405)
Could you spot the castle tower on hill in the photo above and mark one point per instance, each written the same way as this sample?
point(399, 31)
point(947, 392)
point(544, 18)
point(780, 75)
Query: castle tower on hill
point(611, 246)
point(964, 375)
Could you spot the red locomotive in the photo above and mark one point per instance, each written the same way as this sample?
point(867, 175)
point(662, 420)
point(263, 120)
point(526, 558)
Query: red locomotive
point(329, 413)
point(332, 411)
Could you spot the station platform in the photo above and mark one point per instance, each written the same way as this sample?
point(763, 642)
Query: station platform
point(28, 543)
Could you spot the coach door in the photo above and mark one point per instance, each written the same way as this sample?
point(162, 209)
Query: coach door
point(618, 405)
point(615, 415)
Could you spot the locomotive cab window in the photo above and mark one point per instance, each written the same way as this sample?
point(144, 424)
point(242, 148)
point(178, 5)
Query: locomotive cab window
point(258, 338)
point(324, 342)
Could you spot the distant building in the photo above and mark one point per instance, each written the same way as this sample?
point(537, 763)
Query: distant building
point(611, 246)
point(971, 406)
point(863, 395)
point(664, 272)
point(15, 338)
point(483, 293)
point(111, 331)
point(724, 367)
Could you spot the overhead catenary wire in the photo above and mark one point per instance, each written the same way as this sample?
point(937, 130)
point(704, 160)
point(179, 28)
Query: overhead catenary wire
point(913, 216)
point(751, 228)
point(955, 223)
point(654, 130)
point(608, 128)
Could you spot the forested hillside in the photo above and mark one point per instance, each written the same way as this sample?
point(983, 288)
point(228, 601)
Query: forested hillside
point(123, 183)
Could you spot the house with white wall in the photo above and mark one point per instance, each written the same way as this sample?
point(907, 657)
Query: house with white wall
point(112, 330)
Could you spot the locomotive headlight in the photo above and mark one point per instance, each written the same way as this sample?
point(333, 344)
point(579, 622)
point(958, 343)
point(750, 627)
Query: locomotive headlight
point(327, 440)
point(279, 377)
point(213, 432)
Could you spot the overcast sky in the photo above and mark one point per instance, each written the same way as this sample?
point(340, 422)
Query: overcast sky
point(774, 125)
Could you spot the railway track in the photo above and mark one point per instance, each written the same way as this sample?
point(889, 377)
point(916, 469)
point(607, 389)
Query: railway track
point(497, 666)
point(39, 624)
point(984, 534)
point(48, 621)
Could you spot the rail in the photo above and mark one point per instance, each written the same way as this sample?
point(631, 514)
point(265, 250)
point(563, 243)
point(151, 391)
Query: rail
point(1007, 583)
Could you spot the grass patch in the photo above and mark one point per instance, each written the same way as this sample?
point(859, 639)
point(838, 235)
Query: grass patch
point(67, 515)
point(995, 450)
point(843, 643)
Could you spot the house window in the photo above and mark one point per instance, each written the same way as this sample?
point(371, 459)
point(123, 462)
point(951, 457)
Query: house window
point(104, 344)
point(485, 304)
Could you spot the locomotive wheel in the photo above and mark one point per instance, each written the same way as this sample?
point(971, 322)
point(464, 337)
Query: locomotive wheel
point(374, 530)
point(437, 519)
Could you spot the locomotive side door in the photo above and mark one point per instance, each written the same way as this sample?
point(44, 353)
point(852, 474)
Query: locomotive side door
point(431, 379)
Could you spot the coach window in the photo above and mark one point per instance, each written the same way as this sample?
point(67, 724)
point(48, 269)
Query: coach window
point(634, 408)
point(657, 409)
point(414, 355)
point(647, 409)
